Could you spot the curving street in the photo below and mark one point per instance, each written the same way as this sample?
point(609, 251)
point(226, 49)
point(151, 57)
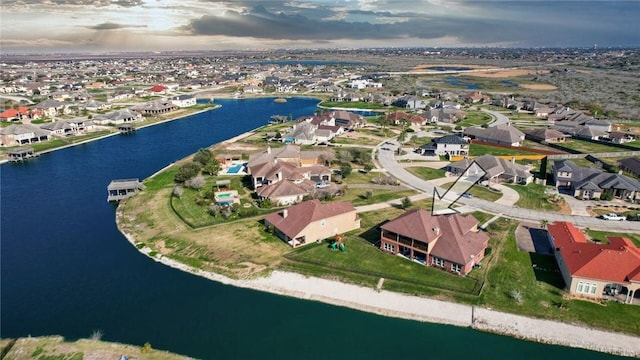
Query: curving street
point(389, 164)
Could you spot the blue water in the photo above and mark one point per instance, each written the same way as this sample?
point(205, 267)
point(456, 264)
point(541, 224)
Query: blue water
point(448, 68)
point(235, 168)
point(65, 269)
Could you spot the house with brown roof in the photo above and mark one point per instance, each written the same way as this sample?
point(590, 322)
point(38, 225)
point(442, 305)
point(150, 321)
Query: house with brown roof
point(496, 169)
point(546, 135)
point(594, 270)
point(287, 163)
point(312, 221)
point(451, 242)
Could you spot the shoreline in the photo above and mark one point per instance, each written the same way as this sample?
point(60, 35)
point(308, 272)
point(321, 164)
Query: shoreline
point(408, 307)
point(216, 106)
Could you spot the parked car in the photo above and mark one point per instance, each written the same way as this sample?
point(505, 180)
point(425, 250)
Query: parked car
point(614, 217)
point(467, 195)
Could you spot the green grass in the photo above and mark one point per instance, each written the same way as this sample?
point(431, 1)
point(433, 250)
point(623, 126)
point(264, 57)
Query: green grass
point(533, 196)
point(56, 143)
point(474, 118)
point(589, 148)
point(358, 196)
point(601, 236)
point(162, 180)
point(426, 173)
point(354, 105)
point(542, 291)
point(479, 191)
point(479, 150)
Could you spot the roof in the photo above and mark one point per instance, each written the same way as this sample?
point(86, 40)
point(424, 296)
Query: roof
point(494, 166)
point(285, 189)
point(544, 134)
point(454, 240)
point(501, 133)
point(450, 140)
point(19, 129)
point(617, 261)
point(301, 215)
point(633, 164)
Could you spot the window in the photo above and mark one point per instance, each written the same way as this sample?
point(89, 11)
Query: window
point(586, 288)
point(389, 247)
point(437, 261)
point(456, 268)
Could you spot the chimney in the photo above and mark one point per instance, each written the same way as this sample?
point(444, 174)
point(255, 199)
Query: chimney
point(285, 212)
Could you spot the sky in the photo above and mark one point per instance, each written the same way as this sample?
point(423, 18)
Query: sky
point(159, 25)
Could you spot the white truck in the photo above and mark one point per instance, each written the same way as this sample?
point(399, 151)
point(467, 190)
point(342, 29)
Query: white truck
point(614, 216)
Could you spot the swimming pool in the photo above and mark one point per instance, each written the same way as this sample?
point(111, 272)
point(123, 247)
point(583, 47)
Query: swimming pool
point(234, 169)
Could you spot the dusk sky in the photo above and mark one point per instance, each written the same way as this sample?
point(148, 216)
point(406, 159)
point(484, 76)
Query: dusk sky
point(132, 25)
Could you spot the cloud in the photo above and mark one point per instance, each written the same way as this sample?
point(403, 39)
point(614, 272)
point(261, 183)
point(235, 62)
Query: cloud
point(113, 26)
point(75, 3)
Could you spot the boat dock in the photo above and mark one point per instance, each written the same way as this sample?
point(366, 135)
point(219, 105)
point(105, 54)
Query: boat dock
point(126, 129)
point(21, 154)
point(123, 188)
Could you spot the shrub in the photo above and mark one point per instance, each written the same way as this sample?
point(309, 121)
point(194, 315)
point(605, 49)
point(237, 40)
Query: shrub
point(406, 203)
point(197, 182)
point(202, 157)
point(178, 191)
point(187, 171)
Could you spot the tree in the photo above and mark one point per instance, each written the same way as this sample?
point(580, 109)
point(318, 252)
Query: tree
point(197, 182)
point(203, 156)
point(406, 202)
point(187, 171)
point(368, 167)
point(345, 169)
point(212, 167)
point(178, 191)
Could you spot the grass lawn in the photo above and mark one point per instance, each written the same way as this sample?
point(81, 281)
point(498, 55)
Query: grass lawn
point(369, 263)
point(479, 191)
point(589, 148)
point(479, 149)
point(426, 173)
point(358, 196)
point(541, 291)
point(474, 118)
point(533, 196)
point(601, 236)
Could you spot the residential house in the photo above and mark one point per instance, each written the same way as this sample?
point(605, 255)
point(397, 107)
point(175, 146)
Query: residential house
point(118, 117)
point(497, 169)
point(450, 145)
point(410, 102)
point(545, 135)
point(15, 114)
point(630, 165)
point(447, 115)
point(348, 120)
point(155, 107)
point(22, 134)
point(618, 137)
point(476, 97)
point(451, 242)
point(312, 221)
point(67, 127)
point(589, 183)
point(51, 108)
point(158, 89)
point(397, 117)
point(503, 134)
point(94, 105)
point(182, 101)
point(302, 133)
point(595, 270)
point(287, 163)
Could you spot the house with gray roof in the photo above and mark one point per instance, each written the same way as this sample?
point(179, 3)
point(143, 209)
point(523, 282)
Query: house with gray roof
point(630, 165)
point(66, 127)
point(497, 169)
point(450, 145)
point(118, 117)
point(588, 183)
point(545, 135)
point(503, 134)
point(22, 134)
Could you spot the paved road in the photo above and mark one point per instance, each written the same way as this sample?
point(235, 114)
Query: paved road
point(15, 98)
point(498, 118)
point(387, 161)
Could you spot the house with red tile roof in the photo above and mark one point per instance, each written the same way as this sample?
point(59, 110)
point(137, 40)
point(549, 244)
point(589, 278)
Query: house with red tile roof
point(158, 89)
point(451, 242)
point(595, 270)
point(312, 221)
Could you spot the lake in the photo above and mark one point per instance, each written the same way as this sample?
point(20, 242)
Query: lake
point(65, 269)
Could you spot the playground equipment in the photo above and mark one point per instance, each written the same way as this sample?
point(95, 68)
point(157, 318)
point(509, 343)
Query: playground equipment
point(338, 243)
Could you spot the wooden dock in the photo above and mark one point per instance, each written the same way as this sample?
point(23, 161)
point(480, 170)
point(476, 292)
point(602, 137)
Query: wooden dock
point(126, 129)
